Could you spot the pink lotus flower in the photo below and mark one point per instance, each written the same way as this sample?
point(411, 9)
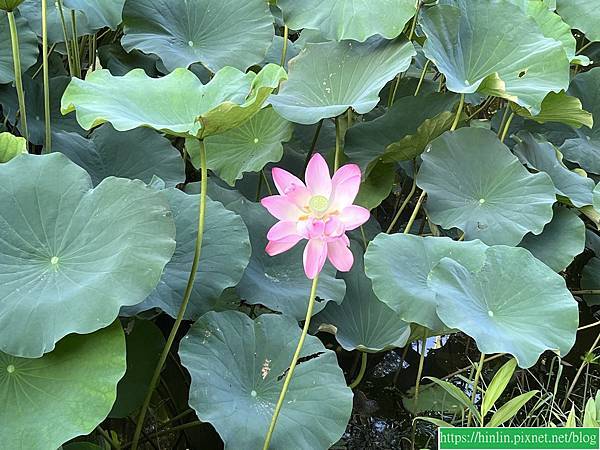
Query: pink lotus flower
point(320, 211)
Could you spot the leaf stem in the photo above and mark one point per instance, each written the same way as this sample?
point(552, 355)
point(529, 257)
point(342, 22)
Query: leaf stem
point(313, 144)
point(586, 292)
point(286, 33)
point(404, 204)
point(413, 216)
point(48, 141)
point(290, 373)
point(338, 145)
point(63, 23)
point(361, 372)
point(579, 372)
point(76, 60)
point(507, 126)
point(474, 390)
point(186, 297)
point(14, 37)
point(423, 72)
point(421, 364)
point(461, 105)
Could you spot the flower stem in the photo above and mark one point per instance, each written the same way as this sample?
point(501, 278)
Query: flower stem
point(361, 372)
point(14, 37)
point(290, 373)
point(474, 390)
point(461, 104)
point(48, 141)
point(286, 33)
point(186, 297)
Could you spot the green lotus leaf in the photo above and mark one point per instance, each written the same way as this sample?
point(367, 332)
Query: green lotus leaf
point(9, 5)
point(432, 397)
point(583, 15)
point(114, 58)
point(225, 255)
point(590, 279)
point(249, 147)
point(474, 183)
point(561, 108)
point(560, 242)
point(358, 20)
point(376, 187)
point(550, 24)
point(74, 255)
point(34, 104)
point(402, 133)
point(64, 394)
point(328, 78)
point(512, 304)
point(398, 266)
point(144, 342)
point(278, 282)
point(539, 154)
point(362, 321)
point(32, 11)
point(136, 100)
point(237, 365)
point(207, 31)
point(28, 47)
point(500, 51)
point(11, 146)
point(138, 154)
point(585, 148)
point(99, 13)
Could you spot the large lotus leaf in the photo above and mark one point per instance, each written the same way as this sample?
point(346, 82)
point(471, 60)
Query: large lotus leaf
point(328, 78)
point(63, 394)
point(72, 255)
point(217, 33)
point(396, 134)
point(560, 108)
point(550, 24)
point(583, 15)
point(32, 11)
point(136, 100)
point(249, 147)
point(398, 266)
point(11, 146)
point(34, 104)
point(138, 154)
point(362, 321)
point(237, 367)
point(225, 255)
point(513, 304)
point(473, 182)
point(28, 46)
point(492, 47)
point(539, 154)
point(590, 279)
point(356, 20)
point(560, 242)
point(585, 148)
point(99, 13)
point(278, 282)
point(144, 343)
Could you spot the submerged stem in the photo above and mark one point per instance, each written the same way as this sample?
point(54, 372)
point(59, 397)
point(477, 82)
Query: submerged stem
point(361, 372)
point(14, 37)
point(186, 297)
point(290, 373)
point(48, 141)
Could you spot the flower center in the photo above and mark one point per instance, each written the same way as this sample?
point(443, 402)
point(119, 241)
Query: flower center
point(318, 204)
